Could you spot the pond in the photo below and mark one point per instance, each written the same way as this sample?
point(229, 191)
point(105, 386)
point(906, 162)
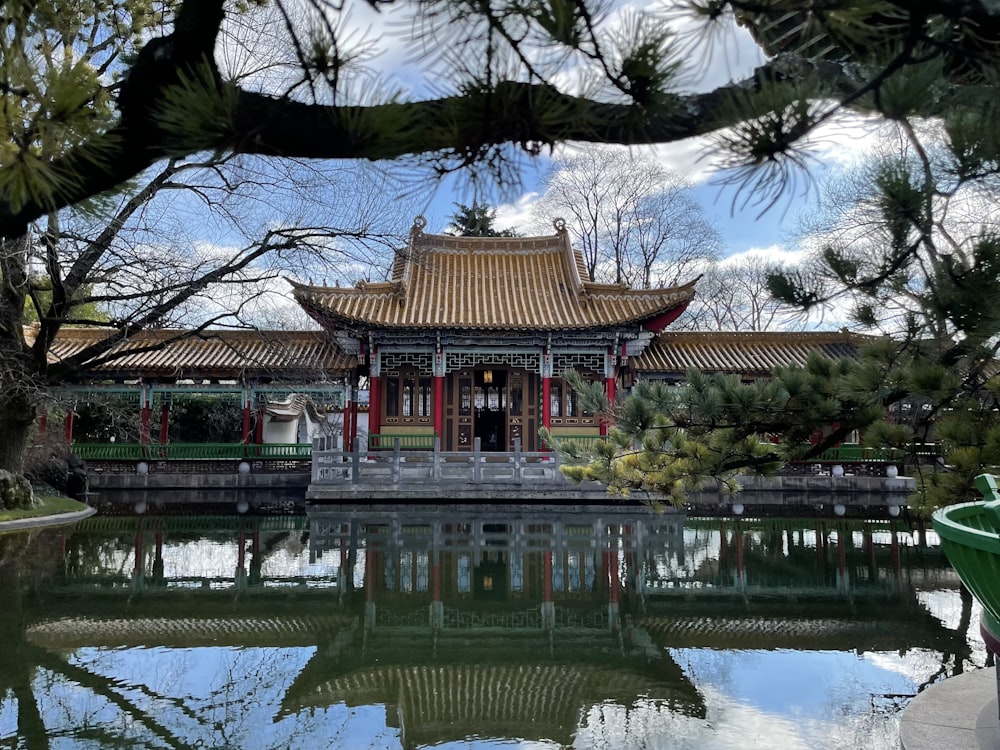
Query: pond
point(474, 627)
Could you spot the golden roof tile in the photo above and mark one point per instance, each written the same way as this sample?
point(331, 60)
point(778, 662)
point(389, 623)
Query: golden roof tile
point(489, 283)
point(209, 354)
point(752, 352)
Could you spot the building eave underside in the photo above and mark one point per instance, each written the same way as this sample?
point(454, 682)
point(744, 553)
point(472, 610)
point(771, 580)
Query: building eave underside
point(667, 356)
point(423, 338)
point(333, 322)
point(246, 356)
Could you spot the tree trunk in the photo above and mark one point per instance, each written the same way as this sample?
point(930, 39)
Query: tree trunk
point(20, 373)
point(15, 664)
point(16, 418)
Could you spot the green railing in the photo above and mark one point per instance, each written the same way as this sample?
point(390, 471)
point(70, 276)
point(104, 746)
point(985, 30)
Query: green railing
point(191, 451)
point(407, 441)
point(853, 452)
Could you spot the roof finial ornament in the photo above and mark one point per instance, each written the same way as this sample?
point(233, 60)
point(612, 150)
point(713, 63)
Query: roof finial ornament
point(560, 225)
point(419, 222)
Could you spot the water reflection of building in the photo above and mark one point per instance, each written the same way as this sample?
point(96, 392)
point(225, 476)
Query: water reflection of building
point(497, 623)
point(586, 561)
point(479, 621)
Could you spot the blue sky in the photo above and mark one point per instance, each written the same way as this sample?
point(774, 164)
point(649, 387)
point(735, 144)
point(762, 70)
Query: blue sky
point(399, 66)
point(742, 228)
point(708, 61)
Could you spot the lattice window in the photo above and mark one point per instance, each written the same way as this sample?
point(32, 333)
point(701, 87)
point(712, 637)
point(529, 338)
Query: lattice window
point(577, 361)
point(397, 360)
point(468, 360)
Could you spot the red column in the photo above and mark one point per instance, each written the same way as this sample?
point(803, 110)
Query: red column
point(68, 425)
point(609, 388)
point(546, 401)
point(375, 406)
point(354, 418)
point(137, 570)
point(547, 576)
point(164, 423)
point(246, 416)
point(546, 388)
point(371, 570)
point(614, 581)
point(842, 559)
point(438, 405)
point(895, 558)
point(258, 432)
point(144, 415)
point(241, 555)
point(259, 409)
point(43, 421)
point(548, 606)
point(348, 435)
point(438, 372)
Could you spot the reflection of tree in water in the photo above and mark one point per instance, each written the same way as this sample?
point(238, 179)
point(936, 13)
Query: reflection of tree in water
point(23, 563)
point(956, 654)
point(878, 726)
point(15, 669)
point(27, 563)
point(175, 698)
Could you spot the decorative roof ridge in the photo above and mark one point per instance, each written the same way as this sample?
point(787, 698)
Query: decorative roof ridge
point(569, 258)
point(366, 288)
point(755, 336)
point(597, 289)
point(540, 250)
point(421, 241)
point(88, 333)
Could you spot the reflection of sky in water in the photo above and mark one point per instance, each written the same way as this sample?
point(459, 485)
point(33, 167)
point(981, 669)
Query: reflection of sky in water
point(201, 697)
point(798, 683)
point(229, 697)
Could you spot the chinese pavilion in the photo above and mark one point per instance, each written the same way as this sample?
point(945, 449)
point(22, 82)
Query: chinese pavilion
point(470, 336)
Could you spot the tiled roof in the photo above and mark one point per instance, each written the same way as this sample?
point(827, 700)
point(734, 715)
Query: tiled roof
point(211, 354)
point(748, 353)
point(184, 631)
point(489, 283)
point(453, 701)
point(860, 632)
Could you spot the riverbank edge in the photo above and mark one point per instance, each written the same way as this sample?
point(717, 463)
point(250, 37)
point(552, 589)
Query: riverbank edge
point(38, 522)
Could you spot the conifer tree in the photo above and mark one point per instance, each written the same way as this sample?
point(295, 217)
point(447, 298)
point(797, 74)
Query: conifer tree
point(477, 221)
point(506, 79)
point(913, 253)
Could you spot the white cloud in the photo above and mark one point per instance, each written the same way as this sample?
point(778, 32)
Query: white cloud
point(517, 215)
point(776, 254)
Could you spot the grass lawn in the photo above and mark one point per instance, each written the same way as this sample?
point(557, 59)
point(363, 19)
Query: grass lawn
point(49, 505)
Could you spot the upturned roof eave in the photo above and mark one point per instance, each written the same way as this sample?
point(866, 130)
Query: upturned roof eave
point(331, 315)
